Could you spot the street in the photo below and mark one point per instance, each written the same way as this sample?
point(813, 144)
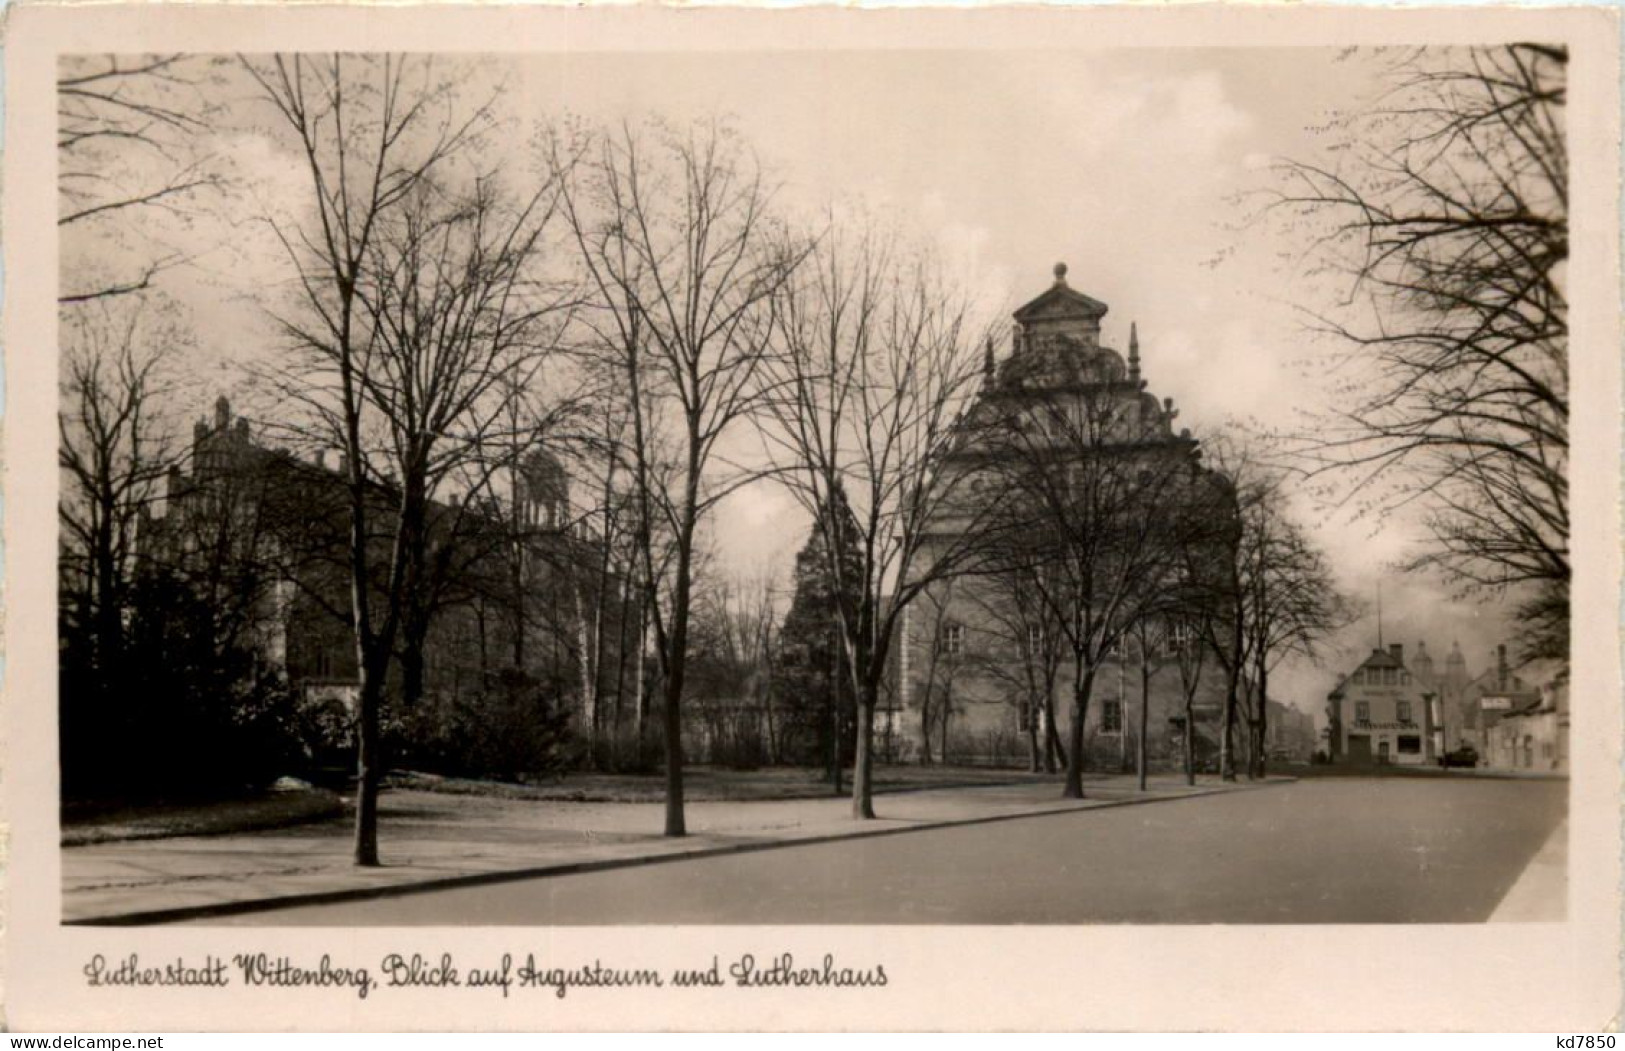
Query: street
point(1334, 851)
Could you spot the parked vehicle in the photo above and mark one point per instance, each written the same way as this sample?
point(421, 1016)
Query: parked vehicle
point(1464, 756)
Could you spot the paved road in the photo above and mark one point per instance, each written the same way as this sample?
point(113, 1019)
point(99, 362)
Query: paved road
point(1334, 851)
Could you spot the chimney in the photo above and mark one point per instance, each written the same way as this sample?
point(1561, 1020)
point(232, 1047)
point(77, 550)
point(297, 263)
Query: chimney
point(1396, 650)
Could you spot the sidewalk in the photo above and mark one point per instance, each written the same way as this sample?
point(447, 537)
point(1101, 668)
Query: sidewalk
point(1541, 894)
point(432, 839)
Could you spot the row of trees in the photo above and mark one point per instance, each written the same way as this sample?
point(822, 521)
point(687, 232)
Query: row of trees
point(645, 310)
point(436, 322)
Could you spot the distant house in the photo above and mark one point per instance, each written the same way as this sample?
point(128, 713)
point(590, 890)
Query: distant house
point(1382, 713)
point(1530, 727)
point(1488, 698)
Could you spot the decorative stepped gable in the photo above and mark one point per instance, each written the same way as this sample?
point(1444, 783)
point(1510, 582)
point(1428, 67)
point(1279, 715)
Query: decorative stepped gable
point(1057, 350)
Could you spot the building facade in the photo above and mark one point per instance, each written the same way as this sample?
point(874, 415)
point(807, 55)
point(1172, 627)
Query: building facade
point(1528, 729)
point(1382, 713)
point(511, 586)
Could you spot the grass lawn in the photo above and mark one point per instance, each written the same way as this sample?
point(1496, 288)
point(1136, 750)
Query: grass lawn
point(106, 822)
point(85, 823)
point(711, 784)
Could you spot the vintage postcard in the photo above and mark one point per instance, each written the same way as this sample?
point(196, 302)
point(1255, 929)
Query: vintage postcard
point(991, 518)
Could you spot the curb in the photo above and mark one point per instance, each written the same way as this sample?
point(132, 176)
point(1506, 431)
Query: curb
point(477, 879)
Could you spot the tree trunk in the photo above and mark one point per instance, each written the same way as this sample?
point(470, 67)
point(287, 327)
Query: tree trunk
point(675, 667)
point(414, 640)
point(835, 763)
point(863, 807)
point(109, 623)
point(1261, 758)
point(590, 643)
point(1081, 687)
point(368, 763)
point(370, 687)
point(1140, 756)
point(1190, 740)
point(1054, 754)
point(1227, 769)
point(639, 672)
point(1035, 760)
point(620, 664)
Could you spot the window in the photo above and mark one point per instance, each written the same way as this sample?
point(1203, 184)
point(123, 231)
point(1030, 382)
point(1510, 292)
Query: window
point(1180, 637)
point(1404, 714)
point(953, 639)
point(1388, 677)
point(1404, 677)
point(1035, 640)
point(1362, 711)
point(1358, 678)
point(1410, 745)
point(1111, 717)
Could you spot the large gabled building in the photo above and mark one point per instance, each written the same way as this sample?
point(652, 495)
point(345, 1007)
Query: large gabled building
point(966, 681)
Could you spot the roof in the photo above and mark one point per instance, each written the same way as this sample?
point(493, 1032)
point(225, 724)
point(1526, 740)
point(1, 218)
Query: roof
point(1377, 659)
point(1061, 301)
point(1543, 671)
point(1382, 659)
point(1523, 704)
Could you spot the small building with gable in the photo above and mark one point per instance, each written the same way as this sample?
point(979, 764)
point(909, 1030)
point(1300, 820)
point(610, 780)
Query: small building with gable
point(1382, 713)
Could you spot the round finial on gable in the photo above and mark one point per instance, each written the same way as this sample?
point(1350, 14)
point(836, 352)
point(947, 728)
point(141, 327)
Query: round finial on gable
point(1060, 273)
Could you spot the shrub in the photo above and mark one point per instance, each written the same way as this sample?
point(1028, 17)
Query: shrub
point(732, 738)
point(624, 751)
point(177, 713)
point(516, 727)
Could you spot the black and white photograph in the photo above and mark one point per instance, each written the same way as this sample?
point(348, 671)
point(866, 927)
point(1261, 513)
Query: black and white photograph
point(1002, 478)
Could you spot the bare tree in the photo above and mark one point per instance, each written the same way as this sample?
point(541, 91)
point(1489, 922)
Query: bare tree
point(733, 664)
point(127, 148)
point(879, 362)
point(685, 261)
point(371, 132)
point(1447, 217)
point(1032, 650)
point(463, 328)
point(114, 449)
point(948, 658)
point(1149, 635)
point(1099, 501)
point(1188, 638)
point(1288, 601)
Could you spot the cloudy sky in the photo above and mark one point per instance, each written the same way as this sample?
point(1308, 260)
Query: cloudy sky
point(1132, 166)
